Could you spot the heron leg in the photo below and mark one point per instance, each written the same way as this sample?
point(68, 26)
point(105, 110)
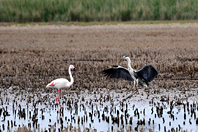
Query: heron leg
point(133, 84)
point(134, 89)
point(137, 86)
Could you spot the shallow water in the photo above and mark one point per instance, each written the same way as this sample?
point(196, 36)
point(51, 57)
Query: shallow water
point(94, 112)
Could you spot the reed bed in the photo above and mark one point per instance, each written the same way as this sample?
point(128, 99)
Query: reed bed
point(103, 10)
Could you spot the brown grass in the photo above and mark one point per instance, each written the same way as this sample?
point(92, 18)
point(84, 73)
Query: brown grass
point(33, 56)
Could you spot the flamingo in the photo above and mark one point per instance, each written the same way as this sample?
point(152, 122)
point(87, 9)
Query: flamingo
point(61, 83)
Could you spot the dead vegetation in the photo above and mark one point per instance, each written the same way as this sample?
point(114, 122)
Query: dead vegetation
point(32, 57)
point(33, 69)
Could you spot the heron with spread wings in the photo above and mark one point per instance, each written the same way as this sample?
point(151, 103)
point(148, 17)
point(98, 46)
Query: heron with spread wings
point(142, 76)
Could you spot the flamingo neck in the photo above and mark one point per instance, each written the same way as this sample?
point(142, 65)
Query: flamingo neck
point(71, 78)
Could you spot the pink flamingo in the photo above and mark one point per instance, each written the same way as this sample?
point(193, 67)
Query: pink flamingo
point(61, 83)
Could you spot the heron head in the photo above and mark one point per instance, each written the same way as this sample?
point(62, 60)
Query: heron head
point(125, 57)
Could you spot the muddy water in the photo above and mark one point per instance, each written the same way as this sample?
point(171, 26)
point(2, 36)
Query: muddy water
point(100, 109)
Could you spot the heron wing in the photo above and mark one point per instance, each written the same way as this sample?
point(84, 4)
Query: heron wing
point(117, 72)
point(147, 73)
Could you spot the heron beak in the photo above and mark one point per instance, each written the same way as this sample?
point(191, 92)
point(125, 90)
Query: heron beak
point(119, 57)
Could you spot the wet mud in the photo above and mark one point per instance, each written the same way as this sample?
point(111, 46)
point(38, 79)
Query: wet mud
point(101, 110)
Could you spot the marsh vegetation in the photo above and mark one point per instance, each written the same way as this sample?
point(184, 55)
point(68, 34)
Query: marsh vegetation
point(103, 10)
point(33, 56)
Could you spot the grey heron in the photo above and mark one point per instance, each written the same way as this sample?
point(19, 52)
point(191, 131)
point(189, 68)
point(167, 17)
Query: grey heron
point(142, 76)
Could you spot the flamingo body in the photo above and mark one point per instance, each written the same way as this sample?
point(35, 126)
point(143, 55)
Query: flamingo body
point(59, 83)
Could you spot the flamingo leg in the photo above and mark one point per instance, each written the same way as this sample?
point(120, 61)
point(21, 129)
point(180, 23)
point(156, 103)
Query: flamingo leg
point(58, 97)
